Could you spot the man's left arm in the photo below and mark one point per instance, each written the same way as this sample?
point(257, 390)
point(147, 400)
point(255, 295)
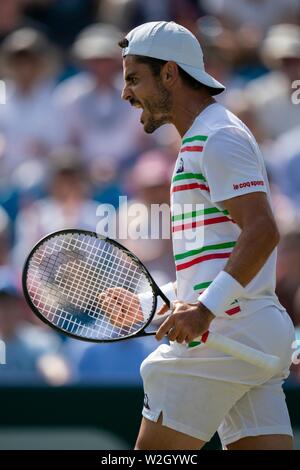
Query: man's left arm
point(258, 238)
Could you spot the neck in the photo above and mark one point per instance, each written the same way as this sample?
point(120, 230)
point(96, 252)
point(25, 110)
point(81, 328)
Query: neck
point(187, 110)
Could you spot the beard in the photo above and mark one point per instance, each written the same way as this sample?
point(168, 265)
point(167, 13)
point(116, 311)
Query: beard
point(158, 109)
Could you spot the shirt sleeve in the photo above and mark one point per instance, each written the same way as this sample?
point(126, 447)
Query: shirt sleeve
point(231, 165)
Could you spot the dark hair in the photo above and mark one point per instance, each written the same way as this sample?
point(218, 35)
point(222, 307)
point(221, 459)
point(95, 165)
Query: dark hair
point(157, 64)
point(123, 43)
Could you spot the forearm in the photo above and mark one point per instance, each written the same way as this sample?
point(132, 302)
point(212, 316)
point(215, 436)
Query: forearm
point(251, 252)
point(247, 258)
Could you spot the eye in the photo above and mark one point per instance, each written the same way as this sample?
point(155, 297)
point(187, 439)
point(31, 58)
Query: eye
point(134, 81)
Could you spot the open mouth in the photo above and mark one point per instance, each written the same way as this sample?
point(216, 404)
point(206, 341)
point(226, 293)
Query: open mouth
point(135, 104)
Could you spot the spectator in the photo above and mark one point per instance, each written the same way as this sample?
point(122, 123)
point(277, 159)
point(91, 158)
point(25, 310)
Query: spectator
point(122, 13)
point(13, 17)
point(67, 206)
point(288, 273)
point(149, 234)
point(25, 343)
point(95, 119)
point(253, 14)
point(7, 273)
point(288, 288)
point(29, 112)
point(270, 94)
point(64, 19)
point(239, 104)
point(285, 166)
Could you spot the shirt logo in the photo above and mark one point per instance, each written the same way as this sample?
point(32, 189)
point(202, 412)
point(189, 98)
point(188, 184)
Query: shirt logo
point(146, 402)
point(248, 184)
point(180, 168)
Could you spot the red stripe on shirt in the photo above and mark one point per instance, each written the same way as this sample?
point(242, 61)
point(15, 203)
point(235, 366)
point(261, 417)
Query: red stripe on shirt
point(192, 148)
point(185, 187)
point(199, 223)
point(201, 259)
point(233, 311)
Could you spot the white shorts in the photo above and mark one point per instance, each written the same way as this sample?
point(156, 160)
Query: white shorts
point(199, 390)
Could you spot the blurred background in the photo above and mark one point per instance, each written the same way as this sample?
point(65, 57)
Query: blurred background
point(68, 143)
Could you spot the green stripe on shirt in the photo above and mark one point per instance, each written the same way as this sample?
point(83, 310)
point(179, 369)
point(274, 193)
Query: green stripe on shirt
point(192, 214)
point(203, 285)
point(219, 246)
point(187, 176)
point(203, 138)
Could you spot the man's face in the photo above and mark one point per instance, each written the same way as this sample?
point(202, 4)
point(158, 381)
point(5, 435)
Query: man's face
point(146, 91)
point(26, 68)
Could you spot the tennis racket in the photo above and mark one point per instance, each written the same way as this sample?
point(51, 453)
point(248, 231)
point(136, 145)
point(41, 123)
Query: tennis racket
point(88, 287)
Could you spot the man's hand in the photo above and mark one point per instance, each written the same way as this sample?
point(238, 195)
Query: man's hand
point(121, 306)
point(187, 322)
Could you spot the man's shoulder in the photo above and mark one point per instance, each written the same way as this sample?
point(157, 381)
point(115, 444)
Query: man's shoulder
point(227, 133)
point(218, 130)
point(215, 120)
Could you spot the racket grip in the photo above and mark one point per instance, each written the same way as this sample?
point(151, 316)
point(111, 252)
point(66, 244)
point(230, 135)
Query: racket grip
point(241, 351)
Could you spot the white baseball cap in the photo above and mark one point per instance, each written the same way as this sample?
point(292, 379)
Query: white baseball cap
point(171, 41)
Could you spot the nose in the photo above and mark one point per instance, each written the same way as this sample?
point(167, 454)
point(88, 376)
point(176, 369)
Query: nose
point(126, 93)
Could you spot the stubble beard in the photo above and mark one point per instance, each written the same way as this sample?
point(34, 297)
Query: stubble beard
point(161, 105)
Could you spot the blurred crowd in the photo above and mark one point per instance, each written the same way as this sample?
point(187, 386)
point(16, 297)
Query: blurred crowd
point(69, 143)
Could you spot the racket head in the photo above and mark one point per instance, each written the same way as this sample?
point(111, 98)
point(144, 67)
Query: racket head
point(84, 261)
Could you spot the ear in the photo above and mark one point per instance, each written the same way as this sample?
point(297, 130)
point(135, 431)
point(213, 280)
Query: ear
point(169, 74)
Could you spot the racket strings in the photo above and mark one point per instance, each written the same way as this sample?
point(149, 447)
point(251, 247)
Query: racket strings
point(91, 310)
point(91, 281)
point(83, 271)
point(70, 280)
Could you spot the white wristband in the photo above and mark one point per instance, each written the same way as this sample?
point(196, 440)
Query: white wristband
point(146, 297)
point(221, 293)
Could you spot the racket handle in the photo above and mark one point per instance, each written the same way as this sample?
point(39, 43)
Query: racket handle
point(240, 351)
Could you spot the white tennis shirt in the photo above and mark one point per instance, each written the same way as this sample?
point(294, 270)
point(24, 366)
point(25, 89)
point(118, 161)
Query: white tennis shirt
point(219, 159)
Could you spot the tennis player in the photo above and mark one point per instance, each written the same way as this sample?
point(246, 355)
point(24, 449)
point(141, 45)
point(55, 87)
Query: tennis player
point(227, 283)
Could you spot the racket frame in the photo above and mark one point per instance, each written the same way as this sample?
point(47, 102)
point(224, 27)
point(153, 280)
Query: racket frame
point(155, 289)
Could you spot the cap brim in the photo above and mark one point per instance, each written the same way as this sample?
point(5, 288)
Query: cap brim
point(203, 77)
